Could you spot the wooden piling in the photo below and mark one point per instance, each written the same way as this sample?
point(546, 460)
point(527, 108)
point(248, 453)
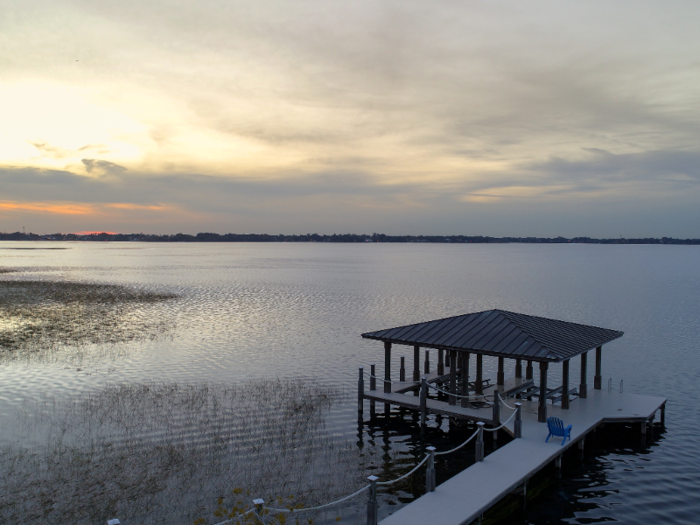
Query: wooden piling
point(387, 368)
point(416, 363)
point(402, 370)
point(427, 362)
point(519, 368)
point(542, 409)
point(479, 383)
point(583, 387)
point(441, 362)
point(598, 378)
point(465, 380)
point(528, 371)
point(501, 376)
point(453, 377)
point(565, 385)
point(361, 392)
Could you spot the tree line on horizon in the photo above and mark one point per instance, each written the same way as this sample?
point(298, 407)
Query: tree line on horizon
point(342, 238)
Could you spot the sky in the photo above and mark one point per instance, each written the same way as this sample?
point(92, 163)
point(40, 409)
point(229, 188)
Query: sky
point(501, 118)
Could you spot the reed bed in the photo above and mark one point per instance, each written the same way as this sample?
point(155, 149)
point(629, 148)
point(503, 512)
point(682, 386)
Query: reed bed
point(39, 318)
point(177, 453)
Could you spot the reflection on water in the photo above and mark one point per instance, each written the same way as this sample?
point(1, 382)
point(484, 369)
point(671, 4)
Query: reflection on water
point(266, 311)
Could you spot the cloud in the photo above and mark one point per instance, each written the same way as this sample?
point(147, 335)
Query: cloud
point(102, 167)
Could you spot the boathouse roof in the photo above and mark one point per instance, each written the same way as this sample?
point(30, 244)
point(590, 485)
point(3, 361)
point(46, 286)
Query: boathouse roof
point(503, 334)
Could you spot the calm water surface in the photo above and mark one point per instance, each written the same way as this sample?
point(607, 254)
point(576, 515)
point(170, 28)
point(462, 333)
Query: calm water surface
point(252, 311)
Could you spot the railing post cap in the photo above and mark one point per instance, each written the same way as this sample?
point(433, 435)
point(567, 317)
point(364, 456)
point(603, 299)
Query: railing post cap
point(518, 404)
point(424, 378)
point(259, 501)
point(431, 449)
point(362, 368)
point(372, 478)
point(373, 364)
point(480, 423)
point(114, 521)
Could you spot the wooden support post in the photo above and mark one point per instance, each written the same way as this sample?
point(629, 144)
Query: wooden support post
point(430, 471)
point(416, 363)
point(662, 418)
point(441, 362)
point(465, 379)
point(372, 386)
point(557, 464)
point(427, 362)
point(453, 377)
point(423, 401)
point(501, 377)
point(479, 449)
point(479, 383)
point(528, 370)
point(447, 358)
point(361, 393)
point(387, 368)
point(582, 446)
point(518, 424)
point(519, 368)
point(402, 370)
point(583, 387)
point(542, 410)
point(598, 378)
point(565, 385)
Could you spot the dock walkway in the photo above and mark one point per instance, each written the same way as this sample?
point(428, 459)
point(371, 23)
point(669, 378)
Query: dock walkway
point(469, 494)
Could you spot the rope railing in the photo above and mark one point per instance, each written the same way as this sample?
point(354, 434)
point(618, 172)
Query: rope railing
point(385, 380)
point(479, 396)
point(503, 424)
point(504, 402)
point(318, 507)
point(427, 456)
point(460, 446)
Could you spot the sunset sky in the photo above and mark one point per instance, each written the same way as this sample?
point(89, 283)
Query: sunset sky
point(498, 118)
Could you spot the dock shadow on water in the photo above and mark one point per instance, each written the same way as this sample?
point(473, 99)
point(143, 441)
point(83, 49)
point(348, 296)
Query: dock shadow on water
point(50, 320)
point(177, 453)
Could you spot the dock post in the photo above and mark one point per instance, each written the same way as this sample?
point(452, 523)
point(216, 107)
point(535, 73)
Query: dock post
point(528, 370)
point(501, 375)
point(441, 362)
point(496, 414)
point(402, 370)
point(423, 401)
point(453, 377)
point(430, 471)
point(427, 362)
point(387, 368)
point(416, 363)
point(518, 368)
point(542, 410)
point(480, 441)
point(662, 419)
point(557, 464)
point(372, 507)
point(583, 387)
point(565, 385)
point(598, 378)
point(518, 425)
point(361, 393)
point(479, 383)
point(465, 380)
point(372, 386)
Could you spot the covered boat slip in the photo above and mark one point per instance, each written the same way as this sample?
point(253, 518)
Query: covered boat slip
point(465, 497)
point(504, 335)
point(501, 334)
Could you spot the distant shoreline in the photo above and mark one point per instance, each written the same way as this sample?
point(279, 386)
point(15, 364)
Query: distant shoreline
point(335, 238)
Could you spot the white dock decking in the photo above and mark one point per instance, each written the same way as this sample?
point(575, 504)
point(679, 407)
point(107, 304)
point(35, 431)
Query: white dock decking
point(469, 494)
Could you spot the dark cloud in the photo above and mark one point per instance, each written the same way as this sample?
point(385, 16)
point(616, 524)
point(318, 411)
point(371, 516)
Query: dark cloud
point(102, 167)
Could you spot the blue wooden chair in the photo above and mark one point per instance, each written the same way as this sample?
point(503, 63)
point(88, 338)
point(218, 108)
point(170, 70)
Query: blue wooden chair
point(556, 429)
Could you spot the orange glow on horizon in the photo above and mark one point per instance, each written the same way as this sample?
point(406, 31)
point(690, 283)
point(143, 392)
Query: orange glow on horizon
point(78, 209)
point(93, 233)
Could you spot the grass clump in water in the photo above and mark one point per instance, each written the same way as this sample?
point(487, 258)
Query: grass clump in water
point(174, 453)
point(39, 316)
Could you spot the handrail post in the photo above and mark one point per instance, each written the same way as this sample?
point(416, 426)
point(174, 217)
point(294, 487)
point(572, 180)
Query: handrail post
point(430, 471)
point(402, 370)
point(372, 506)
point(480, 441)
point(423, 400)
point(361, 392)
point(518, 425)
point(258, 506)
point(496, 416)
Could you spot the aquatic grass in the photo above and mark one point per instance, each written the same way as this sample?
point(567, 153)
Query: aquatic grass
point(174, 453)
point(37, 318)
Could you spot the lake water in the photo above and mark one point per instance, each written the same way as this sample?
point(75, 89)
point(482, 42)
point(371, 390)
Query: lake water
point(251, 311)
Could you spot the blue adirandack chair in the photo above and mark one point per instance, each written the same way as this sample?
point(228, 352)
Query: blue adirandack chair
point(556, 429)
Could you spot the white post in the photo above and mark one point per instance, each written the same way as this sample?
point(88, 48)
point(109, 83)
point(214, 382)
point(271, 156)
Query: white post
point(372, 508)
point(480, 442)
point(430, 471)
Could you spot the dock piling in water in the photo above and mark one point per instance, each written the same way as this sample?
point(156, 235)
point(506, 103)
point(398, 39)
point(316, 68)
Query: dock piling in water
point(430, 471)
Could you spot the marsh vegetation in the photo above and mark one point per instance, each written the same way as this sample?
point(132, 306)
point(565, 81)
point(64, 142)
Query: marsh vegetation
point(174, 453)
point(38, 318)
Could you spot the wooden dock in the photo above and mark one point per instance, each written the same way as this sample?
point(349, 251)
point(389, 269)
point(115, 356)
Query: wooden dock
point(466, 496)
